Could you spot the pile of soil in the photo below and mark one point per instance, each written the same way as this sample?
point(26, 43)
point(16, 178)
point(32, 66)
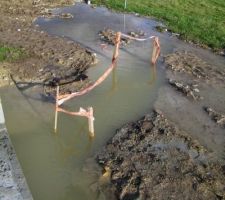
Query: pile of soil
point(188, 67)
point(108, 36)
point(187, 62)
point(50, 60)
point(153, 159)
point(190, 90)
point(216, 116)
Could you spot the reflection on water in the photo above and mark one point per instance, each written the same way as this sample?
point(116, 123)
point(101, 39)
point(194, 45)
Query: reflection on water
point(153, 74)
point(55, 164)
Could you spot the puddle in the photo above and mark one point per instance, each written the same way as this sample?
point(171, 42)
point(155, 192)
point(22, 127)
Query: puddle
point(54, 163)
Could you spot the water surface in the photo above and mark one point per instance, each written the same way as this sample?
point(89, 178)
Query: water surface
point(54, 164)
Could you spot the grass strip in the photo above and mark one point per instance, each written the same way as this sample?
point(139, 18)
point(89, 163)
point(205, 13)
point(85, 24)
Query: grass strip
point(202, 22)
point(11, 54)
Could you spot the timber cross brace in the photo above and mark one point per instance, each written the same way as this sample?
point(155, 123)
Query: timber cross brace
point(60, 99)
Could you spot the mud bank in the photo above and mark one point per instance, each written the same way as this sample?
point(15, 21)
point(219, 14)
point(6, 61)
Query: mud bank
point(153, 159)
point(49, 60)
point(178, 152)
point(13, 184)
point(196, 78)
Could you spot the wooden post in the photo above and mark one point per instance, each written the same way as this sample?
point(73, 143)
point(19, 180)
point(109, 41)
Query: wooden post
point(56, 108)
point(91, 122)
point(125, 4)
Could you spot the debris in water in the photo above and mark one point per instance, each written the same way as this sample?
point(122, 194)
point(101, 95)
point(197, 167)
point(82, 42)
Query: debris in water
point(187, 89)
point(215, 116)
point(108, 35)
point(161, 28)
point(65, 15)
point(187, 62)
point(137, 34)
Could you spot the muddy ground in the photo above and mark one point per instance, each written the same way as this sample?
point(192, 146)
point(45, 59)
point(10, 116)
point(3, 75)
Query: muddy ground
point(153, 159)
point(157, 157)
point(176, 151)
point(49, 60)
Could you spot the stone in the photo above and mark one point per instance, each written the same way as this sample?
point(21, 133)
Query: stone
point(216, 116)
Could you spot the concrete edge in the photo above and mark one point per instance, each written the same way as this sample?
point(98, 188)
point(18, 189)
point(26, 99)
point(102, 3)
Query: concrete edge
point(13, 185)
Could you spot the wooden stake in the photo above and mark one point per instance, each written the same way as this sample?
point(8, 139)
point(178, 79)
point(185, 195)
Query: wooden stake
point(91, 122)
point(56, 108)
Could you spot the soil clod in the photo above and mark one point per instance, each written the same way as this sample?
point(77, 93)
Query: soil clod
point(189, 63)
point(188, 90)
point(216, 116)
point(108, 36)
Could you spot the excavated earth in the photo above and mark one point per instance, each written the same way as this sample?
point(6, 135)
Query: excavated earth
point(154, 158)
point(49, 60)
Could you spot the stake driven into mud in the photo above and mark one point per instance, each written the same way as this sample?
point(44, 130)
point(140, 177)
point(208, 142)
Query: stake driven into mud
point(60, 99)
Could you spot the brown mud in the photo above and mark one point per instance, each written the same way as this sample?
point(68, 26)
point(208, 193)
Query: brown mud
point(148, 159)
point(153, 159)
point(188, 62)
point(216, 116)
point(190, 90)
point(50, 60)
point(173, 154)
point(108, 36)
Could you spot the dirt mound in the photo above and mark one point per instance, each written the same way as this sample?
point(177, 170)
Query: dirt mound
point(216, 116)
point(153, 159)
point(188, 62)
point(189, 90)
point(50, 60)
point(108, 36)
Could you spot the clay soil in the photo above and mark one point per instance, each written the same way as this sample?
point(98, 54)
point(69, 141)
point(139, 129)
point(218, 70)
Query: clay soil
point(49, 60)
point(153, 159)
point(171, 152)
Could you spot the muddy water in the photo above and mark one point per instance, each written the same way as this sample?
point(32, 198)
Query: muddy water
point(55, 165)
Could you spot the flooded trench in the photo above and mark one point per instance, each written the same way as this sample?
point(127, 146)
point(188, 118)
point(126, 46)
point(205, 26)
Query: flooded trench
point(55, 165)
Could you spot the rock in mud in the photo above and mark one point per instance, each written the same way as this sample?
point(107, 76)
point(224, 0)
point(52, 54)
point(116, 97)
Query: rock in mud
point(108, 36)
point(189, 63)
point(153, 159)
point(47, 13)
point(137, 34)
point(4, 75)
point(161, 28)
point(188, 90)
point(216, 116)
point(65, 16)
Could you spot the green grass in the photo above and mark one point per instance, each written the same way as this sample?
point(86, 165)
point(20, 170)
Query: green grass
point(199, 21)
point(10, 54)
